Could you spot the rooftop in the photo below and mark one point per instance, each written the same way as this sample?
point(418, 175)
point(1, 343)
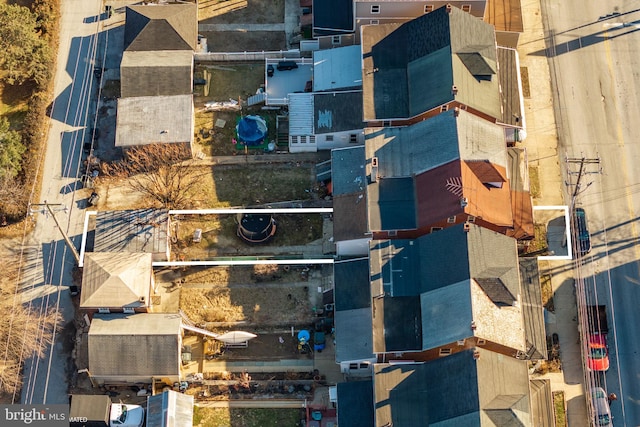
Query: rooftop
point(161, 27)
point(337, 68)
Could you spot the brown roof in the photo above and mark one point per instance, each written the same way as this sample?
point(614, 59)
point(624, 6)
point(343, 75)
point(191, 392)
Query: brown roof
point(522, 208)
point(440, 191)
point(352, 211)
point(505, 15)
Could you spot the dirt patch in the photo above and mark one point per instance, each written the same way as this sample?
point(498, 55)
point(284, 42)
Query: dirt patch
point(241, 11)
point(262, 306)
point(227, 80)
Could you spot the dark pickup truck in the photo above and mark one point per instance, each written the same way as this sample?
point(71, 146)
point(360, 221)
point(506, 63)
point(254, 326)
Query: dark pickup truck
point(597, 318)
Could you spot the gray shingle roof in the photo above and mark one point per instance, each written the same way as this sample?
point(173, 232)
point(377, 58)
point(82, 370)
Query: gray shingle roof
point(412, 68)
point(408, 150)
point(337, 112)
point(161, 27)
point(354, 340)
point(348, 170)
point(138, 345)
point(355, 403)
point(350, 213)
point(391, 204)
point(397, 324)
point(154, 119)
point(352, 289)
point(454, 390)
point(509, 75)
point(333, 16)
point(116, 279)
point(153, 73)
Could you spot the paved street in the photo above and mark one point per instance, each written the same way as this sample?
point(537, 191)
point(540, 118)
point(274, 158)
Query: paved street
point(50, 262)
point(593, 52)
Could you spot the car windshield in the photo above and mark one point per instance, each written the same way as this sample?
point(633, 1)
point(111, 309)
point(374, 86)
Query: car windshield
point(604, 420)
point(598, 353)
point(123, 417)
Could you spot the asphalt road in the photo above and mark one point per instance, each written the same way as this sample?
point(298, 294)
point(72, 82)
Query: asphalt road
point(594, 51)
point(49, 262)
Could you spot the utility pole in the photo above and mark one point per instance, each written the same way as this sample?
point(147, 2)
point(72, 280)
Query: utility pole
point(49, 210)
point(583, 162)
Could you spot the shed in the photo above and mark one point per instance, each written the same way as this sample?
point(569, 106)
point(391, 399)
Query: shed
point(170, 409)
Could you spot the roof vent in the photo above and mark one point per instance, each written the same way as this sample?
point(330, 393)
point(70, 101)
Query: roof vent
point(456, 112)
point(449, 8)
point(466, 227)
point(142, 299)
point(454, 89)
point(473, 325)
point(476, 355)
point(464, 202)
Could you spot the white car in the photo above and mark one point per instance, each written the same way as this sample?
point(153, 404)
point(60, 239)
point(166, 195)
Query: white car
point(126, 415)
point(601, 406)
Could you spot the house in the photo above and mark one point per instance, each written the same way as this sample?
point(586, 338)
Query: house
point(474, 387)
point(445, 292)
point(134, 231)
point(449, 169)
point(116, 282)
point(453, 63)
point(355, 404)
point(352, 317)
point(149, 120)
point(339, 22)
point(170, 409)
point(348, 183)
point(135, 348)
point(324, 121)
point(159, 41)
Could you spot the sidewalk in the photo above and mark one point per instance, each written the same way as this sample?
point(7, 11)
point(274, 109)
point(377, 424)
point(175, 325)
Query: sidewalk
point(542, 150)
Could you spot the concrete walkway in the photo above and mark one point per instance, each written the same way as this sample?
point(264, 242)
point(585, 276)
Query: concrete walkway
point(542, 150)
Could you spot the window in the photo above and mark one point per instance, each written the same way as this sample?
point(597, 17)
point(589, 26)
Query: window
point(386, 123)
point(445, 351)
point(129, 310)
point(466, 8)
point(353, 366)
point(328, 138)
point(444, 108)
point(335, 40)
point(104, 311)
point(393, 233)
point(375, 8)
point(435, 229)
point(428, 8)
point(481, 342)
point(451, 220)
point(471, 218)
point(374, 22)
point(353, 138)
point(364, 366)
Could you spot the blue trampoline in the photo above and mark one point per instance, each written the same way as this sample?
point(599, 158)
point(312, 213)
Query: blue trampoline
point(251, 130)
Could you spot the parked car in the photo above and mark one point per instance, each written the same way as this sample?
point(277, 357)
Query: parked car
point(597, 353)
point(601, 407)
point(581, 231)
point(270, 70)
point(287, 65)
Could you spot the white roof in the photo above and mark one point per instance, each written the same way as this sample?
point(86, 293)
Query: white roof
point(337, 68)
point(300, 114)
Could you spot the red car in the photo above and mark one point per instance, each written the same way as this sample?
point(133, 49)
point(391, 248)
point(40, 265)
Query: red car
point(597, 353)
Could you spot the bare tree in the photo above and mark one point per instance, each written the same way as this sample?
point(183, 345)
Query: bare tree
point(14, 198)
point(157, 171)
point(25, 330)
